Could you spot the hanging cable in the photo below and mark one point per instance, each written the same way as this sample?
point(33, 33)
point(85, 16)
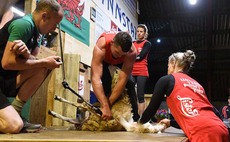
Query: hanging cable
point(66, 85)
point(61, 50)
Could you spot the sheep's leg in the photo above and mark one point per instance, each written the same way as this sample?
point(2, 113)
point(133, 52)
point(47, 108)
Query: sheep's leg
point(156, 128)
point(129, 126)
point(67, 119)
point(80, 105)
point(83, 105)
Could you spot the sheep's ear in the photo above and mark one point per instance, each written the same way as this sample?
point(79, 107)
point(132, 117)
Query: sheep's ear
point(112, 70)
point(118, 70)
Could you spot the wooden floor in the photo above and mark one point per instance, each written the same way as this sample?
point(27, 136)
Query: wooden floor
point(62, 134)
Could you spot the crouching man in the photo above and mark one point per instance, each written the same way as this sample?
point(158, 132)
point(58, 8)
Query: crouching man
point(21, 73)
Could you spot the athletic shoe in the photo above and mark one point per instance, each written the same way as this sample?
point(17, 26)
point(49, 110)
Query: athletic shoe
point(30, 127)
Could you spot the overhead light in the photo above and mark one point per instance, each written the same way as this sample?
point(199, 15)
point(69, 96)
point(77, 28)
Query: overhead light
point(15, 10)
point(192, 2)
point(158, 40)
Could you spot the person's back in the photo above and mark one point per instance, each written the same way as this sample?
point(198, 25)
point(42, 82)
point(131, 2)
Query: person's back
point(189, 105)
point(187, 102)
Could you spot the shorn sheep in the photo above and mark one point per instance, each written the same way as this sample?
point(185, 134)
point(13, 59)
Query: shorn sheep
point(121, 110)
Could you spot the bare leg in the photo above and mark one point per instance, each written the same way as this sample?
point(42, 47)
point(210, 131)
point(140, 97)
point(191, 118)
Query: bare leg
point(10, 121)
point(28, 81)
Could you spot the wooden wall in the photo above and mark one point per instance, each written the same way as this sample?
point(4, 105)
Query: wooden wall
point(43, 100)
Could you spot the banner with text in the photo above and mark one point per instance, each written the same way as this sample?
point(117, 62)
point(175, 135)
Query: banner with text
point(117, 12)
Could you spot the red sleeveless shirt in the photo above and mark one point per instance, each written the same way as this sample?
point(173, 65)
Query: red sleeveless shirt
point(140, 68)
point(108, 57)
point(193, 111)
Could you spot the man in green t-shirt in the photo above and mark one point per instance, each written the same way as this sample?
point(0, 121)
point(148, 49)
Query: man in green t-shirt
point(21, 73)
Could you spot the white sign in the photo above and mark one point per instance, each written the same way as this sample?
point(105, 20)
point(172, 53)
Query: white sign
point(81, 85)
point(119, 14)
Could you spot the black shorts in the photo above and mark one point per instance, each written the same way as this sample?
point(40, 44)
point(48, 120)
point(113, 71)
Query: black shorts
point(3, 100)
point(7, 87)
point(107, 79)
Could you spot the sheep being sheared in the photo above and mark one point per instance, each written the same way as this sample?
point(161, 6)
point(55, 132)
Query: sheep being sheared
point(121, 110)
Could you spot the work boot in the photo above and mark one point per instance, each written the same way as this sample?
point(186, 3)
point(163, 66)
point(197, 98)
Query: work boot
point(29, 127)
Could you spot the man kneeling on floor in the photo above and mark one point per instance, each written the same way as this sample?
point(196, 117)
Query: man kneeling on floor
point(21, 73)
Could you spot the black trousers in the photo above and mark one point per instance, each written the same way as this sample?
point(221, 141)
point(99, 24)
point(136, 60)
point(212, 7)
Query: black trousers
point(130, 86)
point(140, 81)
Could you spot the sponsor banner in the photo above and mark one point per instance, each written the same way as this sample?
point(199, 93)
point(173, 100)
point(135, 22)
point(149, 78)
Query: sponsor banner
point(116, 11)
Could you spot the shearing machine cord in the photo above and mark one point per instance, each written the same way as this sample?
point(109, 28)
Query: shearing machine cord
point(66, 85)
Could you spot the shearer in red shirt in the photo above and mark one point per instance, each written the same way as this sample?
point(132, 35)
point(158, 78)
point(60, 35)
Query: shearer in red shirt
point(113, 48)
point(187, 102)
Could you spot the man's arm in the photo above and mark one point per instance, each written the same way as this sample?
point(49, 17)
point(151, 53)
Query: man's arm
point(123, 75)
point(7, 16)
point(96, 74)
point(13, 58)
point(97, 71)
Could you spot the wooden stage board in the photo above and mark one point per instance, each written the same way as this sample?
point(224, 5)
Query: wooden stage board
point(62, 134)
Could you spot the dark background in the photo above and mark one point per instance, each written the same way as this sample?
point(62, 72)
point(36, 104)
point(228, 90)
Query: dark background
point(203, 28)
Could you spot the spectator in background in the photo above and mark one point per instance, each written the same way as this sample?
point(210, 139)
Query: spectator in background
point(21, 73)
point(225, 110)
point(187, 101)
point(140, 72)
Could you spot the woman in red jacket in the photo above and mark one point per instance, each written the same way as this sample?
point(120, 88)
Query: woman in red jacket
point(187, 102)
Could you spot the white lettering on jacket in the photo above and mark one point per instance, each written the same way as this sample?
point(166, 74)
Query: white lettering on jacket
point(187, 107)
